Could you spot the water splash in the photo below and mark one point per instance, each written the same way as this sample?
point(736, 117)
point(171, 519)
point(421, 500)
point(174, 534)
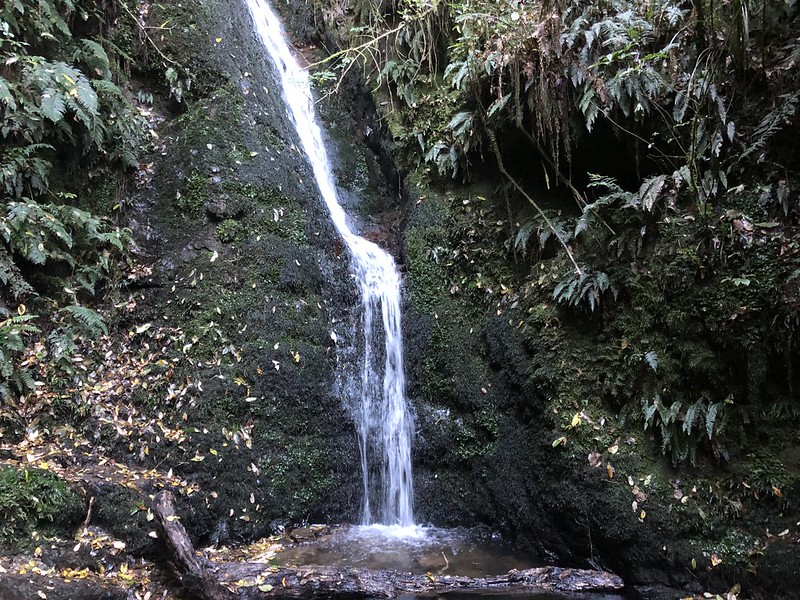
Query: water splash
point(383, 422)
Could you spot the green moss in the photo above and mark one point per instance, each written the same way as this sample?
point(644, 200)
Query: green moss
point(194, 194)
point(274, 212)
point(229, 230)
point(478, 434)
point(295, 472)
point(31, 499)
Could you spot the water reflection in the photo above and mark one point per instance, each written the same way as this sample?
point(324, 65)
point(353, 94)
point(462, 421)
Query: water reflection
point(413, 549)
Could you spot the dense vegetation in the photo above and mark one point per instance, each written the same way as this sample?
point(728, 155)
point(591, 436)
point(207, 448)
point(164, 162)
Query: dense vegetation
point(60, 106)
point(72, 132)
point(641, 153)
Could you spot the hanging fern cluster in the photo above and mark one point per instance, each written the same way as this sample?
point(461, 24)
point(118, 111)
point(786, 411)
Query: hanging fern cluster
point(699, 99)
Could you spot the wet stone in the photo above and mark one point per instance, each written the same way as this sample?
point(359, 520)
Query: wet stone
point(302, 534)
point(224, 207)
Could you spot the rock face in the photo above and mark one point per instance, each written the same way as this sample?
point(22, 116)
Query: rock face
point(246, 266)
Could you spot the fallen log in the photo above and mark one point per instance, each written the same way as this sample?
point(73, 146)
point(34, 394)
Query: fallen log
point(193, 570)
point(253, 580)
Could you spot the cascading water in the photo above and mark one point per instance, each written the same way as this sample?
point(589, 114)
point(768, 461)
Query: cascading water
point(383, 421)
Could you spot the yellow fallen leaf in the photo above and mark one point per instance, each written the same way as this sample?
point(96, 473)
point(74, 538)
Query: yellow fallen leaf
point(576, 420)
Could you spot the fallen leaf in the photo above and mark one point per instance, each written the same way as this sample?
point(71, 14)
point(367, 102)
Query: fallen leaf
point(594, 459)
point(611, 470)
point(613, 449)
point(715, 560)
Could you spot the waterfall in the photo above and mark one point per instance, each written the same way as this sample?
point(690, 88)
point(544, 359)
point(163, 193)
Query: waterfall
point(383, 423)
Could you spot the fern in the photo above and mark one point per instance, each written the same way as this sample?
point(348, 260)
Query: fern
point(682, 432)
point(586, 288)
point(11, 277)
point(21, 168)
point(53, 106)
point(89, 318)
point(13, 332)
point(95, 57)
point(651, 358)
point(776, 120)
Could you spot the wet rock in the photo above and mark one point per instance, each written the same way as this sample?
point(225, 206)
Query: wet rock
point(224, 207)
point(302, 534)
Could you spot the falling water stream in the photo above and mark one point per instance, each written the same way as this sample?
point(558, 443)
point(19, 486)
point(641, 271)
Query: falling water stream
point(391, 540)
point(383, 421)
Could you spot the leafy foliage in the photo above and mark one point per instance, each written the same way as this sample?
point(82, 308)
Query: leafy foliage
point(701, 101)
point(61, 108)
point(31, 498)
point(587, 288)
point(681, 431)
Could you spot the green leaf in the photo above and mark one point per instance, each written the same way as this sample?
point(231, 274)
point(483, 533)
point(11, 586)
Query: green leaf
point(89, 318)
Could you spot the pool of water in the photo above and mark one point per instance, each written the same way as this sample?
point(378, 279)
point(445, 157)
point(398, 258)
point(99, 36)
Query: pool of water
point(408, 549)
point(420, 550)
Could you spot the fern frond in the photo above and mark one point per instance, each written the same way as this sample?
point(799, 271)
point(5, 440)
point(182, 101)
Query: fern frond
point(89, 318)
point(52, 105)
point(95, 56)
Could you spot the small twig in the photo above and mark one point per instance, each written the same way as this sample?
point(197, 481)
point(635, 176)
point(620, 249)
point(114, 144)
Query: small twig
point(521, 190)
point(357, 49)
point(88, 514)
point(149, 39)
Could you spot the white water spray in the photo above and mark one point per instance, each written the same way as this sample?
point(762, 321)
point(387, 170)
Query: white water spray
point(384, 425)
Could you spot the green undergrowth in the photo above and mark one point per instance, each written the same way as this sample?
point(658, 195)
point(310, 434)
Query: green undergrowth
point(32, 499)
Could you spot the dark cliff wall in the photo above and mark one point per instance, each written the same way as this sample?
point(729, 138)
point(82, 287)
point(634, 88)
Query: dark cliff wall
point(246, 265)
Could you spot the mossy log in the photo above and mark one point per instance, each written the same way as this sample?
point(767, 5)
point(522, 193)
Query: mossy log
point(247, 580)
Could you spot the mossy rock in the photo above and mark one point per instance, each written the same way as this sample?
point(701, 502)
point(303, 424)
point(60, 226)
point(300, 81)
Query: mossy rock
point(35, 499)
